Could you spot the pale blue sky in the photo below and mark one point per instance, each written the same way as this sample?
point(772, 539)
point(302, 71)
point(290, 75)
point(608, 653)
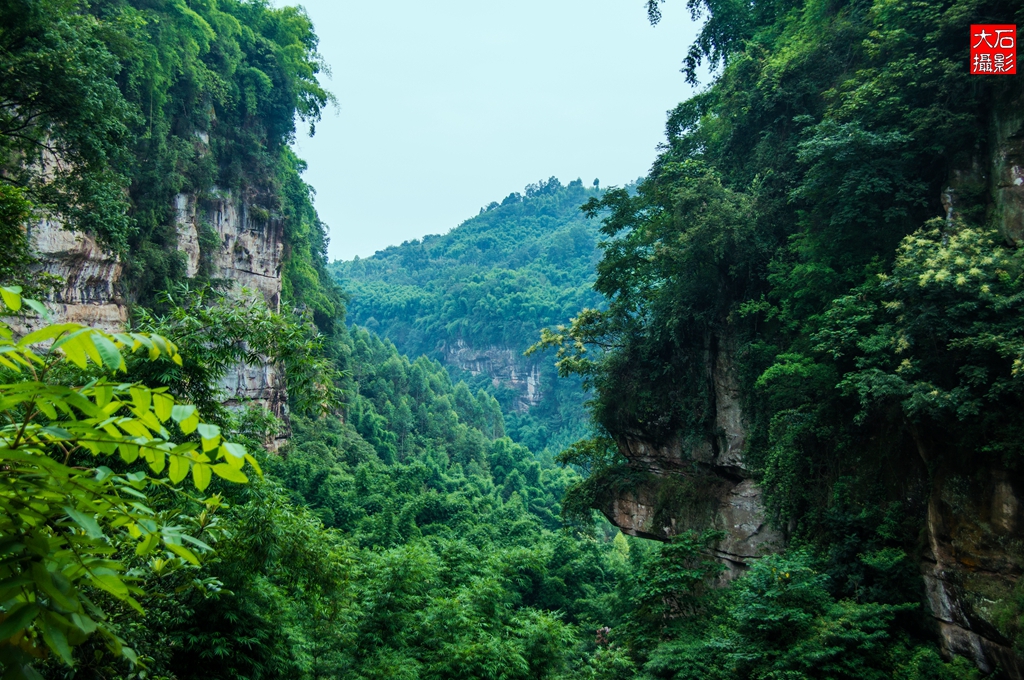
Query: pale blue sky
point(448, 105)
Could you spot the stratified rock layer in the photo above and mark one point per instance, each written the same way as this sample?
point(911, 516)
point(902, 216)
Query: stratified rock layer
point(246, 249)
point(711, 471)
point(89, 273)
point(504, 366)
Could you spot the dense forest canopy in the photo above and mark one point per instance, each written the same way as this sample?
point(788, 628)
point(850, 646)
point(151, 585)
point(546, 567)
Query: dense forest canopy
point(492, 282)
point(819, 226)
point(818, 221)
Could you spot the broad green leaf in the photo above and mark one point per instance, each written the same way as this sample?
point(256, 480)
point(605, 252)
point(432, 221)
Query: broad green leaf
point(129, 452)
point(225, 471)
point(180, 412)
point(102, 394)
point(141, 396)
point(87, 522)
point(39, 308)
point(82, 404)
point(184, 447)
point(163, 405)
point(108, 351)
point(156, 460)
point(84, 623)
point(254, 463)
point(18, 620)
point(182, 552)
point(177, 468)
point(147, 544)
point(134, 427)
point(208, 431)
point(47, 333)
point(75, 352)
point(201, 475)
point(88, 341)
point(47, 408)
point(55, 638)
point(11, 296)
point(110, 583)
point(58, 433)
point(43, 579)
point(148, 419)
point(189, 425)
point(234, 461)
point(159, 343)
point(235, 450)
point(210, 435)
point(196, 542)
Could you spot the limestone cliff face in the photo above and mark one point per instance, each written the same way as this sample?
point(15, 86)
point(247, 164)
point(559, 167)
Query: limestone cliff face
point(89, 274)
point(504, 366)
point(1006, 165)
point(723, 496)
point(249, 247)
point(245, 251)
point(975, 527)
point(972, 564)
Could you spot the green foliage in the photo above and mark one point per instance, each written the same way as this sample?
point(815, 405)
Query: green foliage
point(64, 123)
point(778, 241)
point(951, 301)
point(671, 584)
point(65, 521)
point(14, 212)
point(780, 621)
point(223, 335)
point(493, 281)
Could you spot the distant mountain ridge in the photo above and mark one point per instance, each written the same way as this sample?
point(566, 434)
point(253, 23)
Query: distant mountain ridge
point(476, 298)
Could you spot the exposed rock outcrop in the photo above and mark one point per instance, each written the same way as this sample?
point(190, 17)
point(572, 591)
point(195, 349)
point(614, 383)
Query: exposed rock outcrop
point(1007, 169)
point(504, 366)
point(698, 484)
point(89, 275)
point(972, 566)
point(249, 244)
point(975, 528)
point(245, 249)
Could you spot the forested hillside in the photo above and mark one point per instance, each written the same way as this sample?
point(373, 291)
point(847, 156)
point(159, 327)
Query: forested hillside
point(813, 329)
point(802, 332)
point(476, 298)
point(146, 531)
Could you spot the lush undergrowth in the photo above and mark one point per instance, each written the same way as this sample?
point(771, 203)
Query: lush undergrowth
point(792, 235)
point(400, 533)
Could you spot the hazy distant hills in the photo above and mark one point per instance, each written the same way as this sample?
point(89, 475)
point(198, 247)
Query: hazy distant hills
point(478, 296)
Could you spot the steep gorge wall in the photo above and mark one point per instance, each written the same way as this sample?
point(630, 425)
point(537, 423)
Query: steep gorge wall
point(504, 366)
point(246, 254)
point(974, 556)
point(89, 276)
point(709, 477)
point(972, 552)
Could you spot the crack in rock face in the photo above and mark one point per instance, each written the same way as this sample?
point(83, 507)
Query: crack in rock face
point(249, 254)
